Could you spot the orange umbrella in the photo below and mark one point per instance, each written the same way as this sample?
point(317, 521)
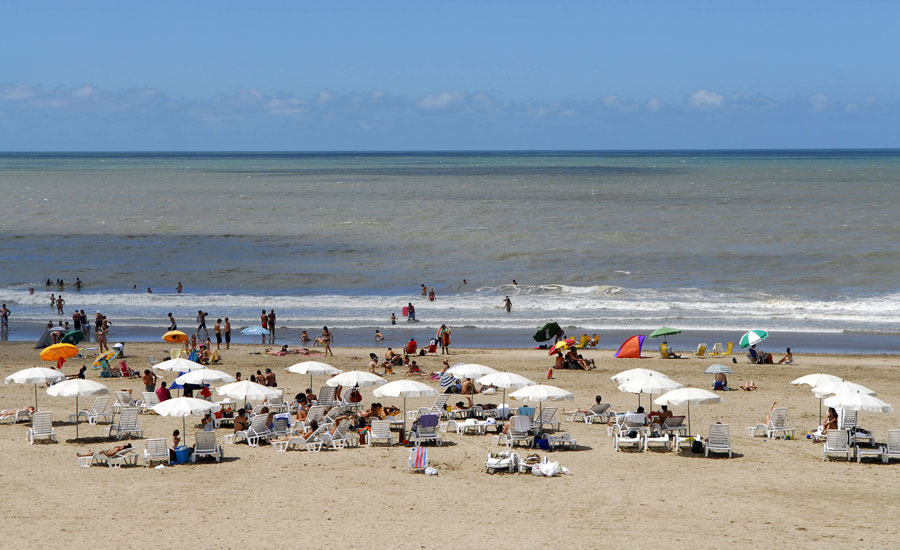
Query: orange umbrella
point(175, 336)
point(59, 353)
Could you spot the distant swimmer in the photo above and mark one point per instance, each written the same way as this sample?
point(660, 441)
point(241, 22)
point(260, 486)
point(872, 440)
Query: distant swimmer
point(507, 304)
point(465, 282)
point(149, 291)
point(178, 288)
point(393, 319)
point(424, 290)
point(378, 336)
point(77, 283)
point(515, 283)
point(411, 313)
point(431, 295)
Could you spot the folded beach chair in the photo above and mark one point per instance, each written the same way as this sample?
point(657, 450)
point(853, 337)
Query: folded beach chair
point(418, 459)
point(128, 424)
point(149, 400)
point(892, 449)
point(156, 451)
point(426, 430)
point(718, 440)
point(504, 461)
point(99, 410)
point(380, 430)
point(548, 417)
point(205, 444)
point(836, 442)
point(701, 351)
point(41, 427)
point(777, 425)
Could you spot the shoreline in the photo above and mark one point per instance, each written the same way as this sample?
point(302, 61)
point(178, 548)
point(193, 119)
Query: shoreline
point(838, 343)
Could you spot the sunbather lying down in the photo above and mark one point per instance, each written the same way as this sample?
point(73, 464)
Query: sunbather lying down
point(749, 386)
point(13, 412)
point(109, 452)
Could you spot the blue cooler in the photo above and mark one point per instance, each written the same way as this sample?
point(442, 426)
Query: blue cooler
point(182, 454)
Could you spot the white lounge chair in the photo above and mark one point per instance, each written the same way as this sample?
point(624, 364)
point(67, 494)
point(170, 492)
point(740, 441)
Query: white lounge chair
point(661, 439)
point(276, 405)
point(847, 421)
point(426, 430)
point(205, 444)
point(10, 418)
point(674, 425)
point(600, 412)
point(777, 425)
point(156, 451)
point(149, 400)
point(125, 456)
point(719, 440)
point(439, 407)
point(99, 410)
point(564, 440)
point(892, 449)
point(622, 436)
point(380, 430)
point(41, 427)
point(836, 442)
point(344, 437)
point(325, 396)
point(547, 416)
point(519, 431)
point(313, 443)
point(257, 430)
point(124, 399)
point(128, 424)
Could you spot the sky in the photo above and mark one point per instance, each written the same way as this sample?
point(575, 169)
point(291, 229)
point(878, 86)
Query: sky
point(447, 75)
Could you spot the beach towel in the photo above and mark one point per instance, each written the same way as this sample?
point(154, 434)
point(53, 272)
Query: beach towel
point(421, 458)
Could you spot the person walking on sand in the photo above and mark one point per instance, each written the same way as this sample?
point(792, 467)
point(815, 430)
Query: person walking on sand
point(201, 322)
point(327, 338)
point(217, 329)
point(443, 336)
point(271, 320)
point(507, 304)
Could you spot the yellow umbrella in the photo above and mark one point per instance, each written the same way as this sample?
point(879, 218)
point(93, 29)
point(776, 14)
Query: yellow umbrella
point(175, 336)
point(106, 356)
point(58, 351)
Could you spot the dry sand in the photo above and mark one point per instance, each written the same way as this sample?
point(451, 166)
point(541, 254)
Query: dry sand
point(772, 492)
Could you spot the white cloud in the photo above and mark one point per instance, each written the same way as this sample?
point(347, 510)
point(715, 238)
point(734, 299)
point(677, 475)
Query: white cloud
point(285, 106)
point(612, 100)
point(84, 92)
point(440, 101)
point(325, 96)
point(705, 99)
point(818, 102)
point(15, 91)
point(654, 105)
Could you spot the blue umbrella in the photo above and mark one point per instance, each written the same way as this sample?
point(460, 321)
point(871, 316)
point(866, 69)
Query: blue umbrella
point(254, 331)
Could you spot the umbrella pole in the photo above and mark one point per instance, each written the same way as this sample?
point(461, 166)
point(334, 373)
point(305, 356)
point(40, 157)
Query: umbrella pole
point(76, 417)
point(689, 419)
point(403, 429)
point(36, 406)
point(820, 411)
point(183, 428)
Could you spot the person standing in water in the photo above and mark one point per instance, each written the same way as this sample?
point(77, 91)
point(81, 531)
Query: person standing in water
point(431, 294)
point(227, 333)
point(271, 326)
point(507, 304)
point(264, 323)
point(410, 312)
point(424, 290)
point(393, 319)
point(178, 288)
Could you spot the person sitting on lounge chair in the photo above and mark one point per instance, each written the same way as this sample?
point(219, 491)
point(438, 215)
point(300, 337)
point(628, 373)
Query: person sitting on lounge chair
point(207, 423)
point(270, 418)
point(597, 401)
point(788, 358)
point(109, 453)
point(831, 423)
point(240, 421)
point(460, 406)
point(659, 417)
point(639, 417)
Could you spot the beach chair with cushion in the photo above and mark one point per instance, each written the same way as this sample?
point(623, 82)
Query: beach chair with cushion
point(674, 425)
point(41, 427)
point(418, 459)
point(98, 411)
point(380, 431)
point(719, 440)
point(701, 351)
point(128, 424)
point(504, 461)
point(548, 417)
point(426, 430)
point(127, 372)
point(205, 444)
point(156, 451)
point(149, 400)
point(777, 425)
point(519, 431)
point(836, 442)
point(892, 449)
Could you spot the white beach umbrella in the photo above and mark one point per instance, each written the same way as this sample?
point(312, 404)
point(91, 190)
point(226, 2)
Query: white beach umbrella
point(817, 379)
point(540, 393)
point(204, 376)
point(74, 388)
point(353, 378)
point(311, 368)
point(505, 381)
point(179, 365)
point(35, 375)
point(184, 407)
point(654, 384)
point(470, 370)
point(246, 390)
point(688, 396)
point(843, 386)
point(404, 389)
point(631, 373)
point(858, 401)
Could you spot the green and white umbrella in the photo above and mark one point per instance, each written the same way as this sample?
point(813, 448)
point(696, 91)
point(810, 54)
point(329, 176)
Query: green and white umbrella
point(664, 331)
point(753, 337)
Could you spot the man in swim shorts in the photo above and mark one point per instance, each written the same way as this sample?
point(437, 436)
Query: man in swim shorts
point(227, 333)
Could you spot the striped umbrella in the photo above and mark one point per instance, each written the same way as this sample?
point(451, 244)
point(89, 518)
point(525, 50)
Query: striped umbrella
point(753, 337)
point(718, 369)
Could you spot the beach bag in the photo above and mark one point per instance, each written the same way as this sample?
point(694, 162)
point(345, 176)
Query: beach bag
point(543, 444)
point(355, 396)
point(697, 447)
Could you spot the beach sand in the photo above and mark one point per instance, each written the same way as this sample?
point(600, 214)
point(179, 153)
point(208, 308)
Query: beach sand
point(772, 492)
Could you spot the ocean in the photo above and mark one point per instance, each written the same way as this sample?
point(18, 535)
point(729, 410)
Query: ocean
point(802, 244)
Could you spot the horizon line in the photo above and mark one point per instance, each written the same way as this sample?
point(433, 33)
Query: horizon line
point(417, 151)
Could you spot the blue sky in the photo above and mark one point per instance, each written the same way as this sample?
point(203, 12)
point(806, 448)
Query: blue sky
point(451, 75)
